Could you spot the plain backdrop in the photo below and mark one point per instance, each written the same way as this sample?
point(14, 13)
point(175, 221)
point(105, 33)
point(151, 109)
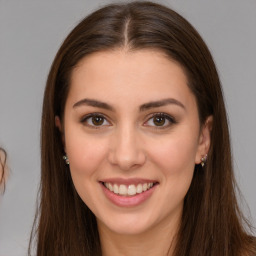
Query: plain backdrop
point(31, 32)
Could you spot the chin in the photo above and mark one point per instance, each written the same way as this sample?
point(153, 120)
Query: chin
point(127, 224)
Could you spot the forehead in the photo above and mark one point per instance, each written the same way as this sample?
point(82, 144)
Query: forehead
point(133, 62)
point(145, 74)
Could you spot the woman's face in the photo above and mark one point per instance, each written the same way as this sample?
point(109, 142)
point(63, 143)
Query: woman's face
point(132, 135)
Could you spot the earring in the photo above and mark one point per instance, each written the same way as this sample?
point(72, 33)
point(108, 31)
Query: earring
point(203, 160)
point(66, 159)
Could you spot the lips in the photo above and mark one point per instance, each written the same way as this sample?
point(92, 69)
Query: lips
point(128, 192)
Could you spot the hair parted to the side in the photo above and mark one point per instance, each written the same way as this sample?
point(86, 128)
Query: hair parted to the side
point(212, 223)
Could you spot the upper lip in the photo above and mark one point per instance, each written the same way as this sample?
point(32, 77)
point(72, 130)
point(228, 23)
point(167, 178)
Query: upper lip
point(134, 181)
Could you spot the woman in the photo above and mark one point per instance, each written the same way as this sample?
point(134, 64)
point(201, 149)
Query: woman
point(135, 145)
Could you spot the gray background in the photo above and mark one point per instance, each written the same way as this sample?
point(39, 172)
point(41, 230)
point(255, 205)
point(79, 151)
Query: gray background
point(30, 34)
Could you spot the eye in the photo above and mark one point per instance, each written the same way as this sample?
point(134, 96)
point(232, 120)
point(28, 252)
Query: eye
point(95, 120)
point(160, 120)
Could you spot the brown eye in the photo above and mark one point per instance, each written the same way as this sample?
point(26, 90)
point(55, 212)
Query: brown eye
point(97, 120)
point(159, 120)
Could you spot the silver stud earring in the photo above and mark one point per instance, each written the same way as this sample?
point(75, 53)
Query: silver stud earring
point(66, 159)
point(203, 160)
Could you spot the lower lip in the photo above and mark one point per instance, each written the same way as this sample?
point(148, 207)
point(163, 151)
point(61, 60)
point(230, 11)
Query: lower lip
point(128, 201)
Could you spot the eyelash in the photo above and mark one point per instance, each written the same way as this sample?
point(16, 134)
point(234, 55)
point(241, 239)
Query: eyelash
point(166, 117)
point(85, 119)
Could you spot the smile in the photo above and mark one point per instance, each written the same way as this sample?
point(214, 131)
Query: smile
point(128, 190)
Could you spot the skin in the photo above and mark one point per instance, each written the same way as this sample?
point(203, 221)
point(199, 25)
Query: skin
point(129, 143)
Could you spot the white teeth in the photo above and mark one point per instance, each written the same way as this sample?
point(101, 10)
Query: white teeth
point(128, 190)
point(131, 190)
point(139, 188)
point(116, 190)
point(123, 190)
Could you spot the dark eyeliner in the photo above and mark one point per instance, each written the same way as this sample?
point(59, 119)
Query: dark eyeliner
point(168, 117)
point(84, 119)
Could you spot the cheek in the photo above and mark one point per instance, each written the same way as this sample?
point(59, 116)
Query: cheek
point(85, 153)
point(86, 157)
point(175, 155)
point(174, 159)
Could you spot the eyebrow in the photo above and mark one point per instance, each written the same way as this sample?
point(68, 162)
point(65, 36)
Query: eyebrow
point(161, 103)
point(143, 107)
point(93, 103)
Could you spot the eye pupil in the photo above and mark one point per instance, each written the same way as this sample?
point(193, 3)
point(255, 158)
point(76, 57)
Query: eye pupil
point(97, 120)
point(159, 120)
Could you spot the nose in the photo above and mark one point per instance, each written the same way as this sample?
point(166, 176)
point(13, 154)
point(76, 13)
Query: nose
point(126, 149)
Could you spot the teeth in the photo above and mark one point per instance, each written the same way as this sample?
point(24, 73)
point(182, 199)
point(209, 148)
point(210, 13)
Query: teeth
point(110, 187)
point(128, 190)
point(122, 190)
point(116, 189)
point(139, 188)
point(131, 190)
point(145, 186)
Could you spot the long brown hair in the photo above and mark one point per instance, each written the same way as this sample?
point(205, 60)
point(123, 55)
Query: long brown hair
point(212, 223)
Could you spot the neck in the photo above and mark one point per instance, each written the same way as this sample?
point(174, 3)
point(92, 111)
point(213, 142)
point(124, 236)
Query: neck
point(157, 241)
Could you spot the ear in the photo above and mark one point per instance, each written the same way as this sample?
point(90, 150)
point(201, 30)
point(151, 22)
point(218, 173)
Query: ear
point(204, 140)
point(59, 125)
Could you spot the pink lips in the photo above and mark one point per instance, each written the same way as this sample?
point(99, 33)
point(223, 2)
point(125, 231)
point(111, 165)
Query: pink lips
point(131, 200)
